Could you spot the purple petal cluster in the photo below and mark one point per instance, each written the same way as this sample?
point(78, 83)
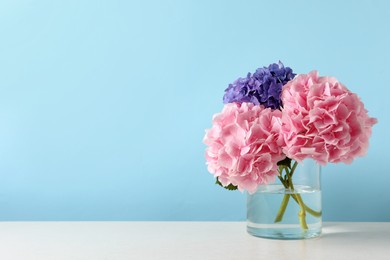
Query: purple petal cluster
point(263, 87)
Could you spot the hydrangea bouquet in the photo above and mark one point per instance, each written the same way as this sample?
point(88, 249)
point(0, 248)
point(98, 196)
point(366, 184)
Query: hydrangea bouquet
point(273, 119)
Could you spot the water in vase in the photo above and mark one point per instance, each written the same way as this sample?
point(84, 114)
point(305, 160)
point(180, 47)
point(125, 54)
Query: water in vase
point(264, 205)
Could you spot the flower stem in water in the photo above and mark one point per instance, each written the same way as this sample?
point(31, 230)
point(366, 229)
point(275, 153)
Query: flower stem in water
point(282, 208)
point(288, 184)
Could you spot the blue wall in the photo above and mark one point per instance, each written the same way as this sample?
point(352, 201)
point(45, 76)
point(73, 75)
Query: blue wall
point(103, 104)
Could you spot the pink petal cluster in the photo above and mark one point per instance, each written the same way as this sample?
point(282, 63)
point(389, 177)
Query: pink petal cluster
point(323, 120)
point(244, 145)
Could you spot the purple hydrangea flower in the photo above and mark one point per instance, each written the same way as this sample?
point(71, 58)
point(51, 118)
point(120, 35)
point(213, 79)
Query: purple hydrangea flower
point(261, 88)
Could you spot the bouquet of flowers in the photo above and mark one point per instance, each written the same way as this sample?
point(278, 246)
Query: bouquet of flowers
point(273, 119)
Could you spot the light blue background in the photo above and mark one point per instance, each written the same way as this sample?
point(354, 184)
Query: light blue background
point(103, 104)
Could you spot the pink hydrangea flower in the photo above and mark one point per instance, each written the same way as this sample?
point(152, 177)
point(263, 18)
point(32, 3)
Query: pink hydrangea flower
point(244, 145)
point(323, 120)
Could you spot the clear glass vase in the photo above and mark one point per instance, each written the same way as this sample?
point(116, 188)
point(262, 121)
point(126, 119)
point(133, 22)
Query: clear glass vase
point(290, 208)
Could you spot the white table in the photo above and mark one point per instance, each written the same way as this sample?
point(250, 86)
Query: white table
point(185, 240)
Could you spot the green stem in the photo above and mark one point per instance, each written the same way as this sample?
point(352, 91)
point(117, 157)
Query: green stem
point(302, 213)
point(282, 208)
point(293, 168)
point(307, 208)
point(312, 212)
point(288, 184)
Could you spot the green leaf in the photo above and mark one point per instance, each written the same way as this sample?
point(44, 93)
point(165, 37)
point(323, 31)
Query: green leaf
point(285, 162)
point(229, 187)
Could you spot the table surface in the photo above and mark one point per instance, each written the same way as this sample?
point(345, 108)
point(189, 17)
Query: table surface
point(185, 240)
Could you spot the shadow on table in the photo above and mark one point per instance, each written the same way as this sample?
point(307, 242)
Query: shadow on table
point(360, 231)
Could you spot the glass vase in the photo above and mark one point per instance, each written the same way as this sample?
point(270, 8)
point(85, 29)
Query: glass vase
point(289, 208)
